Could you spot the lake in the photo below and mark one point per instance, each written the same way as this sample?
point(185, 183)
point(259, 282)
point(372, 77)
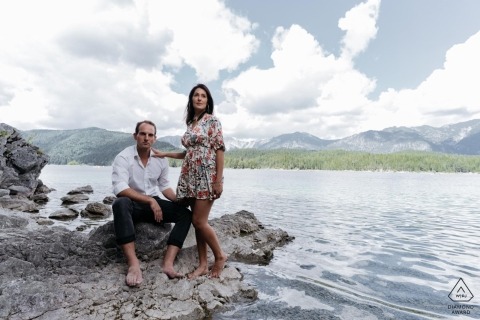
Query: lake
point(368, 245)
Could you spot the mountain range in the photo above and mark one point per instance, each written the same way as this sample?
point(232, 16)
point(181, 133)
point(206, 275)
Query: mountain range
point(99, 146)
point(458, 138)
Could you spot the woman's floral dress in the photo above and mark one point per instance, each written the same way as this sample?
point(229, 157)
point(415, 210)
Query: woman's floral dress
point(199, 168)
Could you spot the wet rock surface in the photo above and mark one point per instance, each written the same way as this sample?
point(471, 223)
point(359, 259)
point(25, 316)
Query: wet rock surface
point(54, 273)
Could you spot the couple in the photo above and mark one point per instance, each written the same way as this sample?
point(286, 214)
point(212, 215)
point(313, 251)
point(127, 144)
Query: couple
point(139, 171)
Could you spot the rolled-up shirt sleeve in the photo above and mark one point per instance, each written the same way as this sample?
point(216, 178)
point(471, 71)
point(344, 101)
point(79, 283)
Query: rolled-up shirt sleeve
point(162, 181)
point(120, 174)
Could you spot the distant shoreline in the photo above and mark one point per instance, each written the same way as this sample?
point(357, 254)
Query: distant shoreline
point(339, 160)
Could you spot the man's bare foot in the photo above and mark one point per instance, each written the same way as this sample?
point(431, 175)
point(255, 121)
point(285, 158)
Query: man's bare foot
point(134, 276)
point(172, 274)
point(218, 266)
point(200, 271)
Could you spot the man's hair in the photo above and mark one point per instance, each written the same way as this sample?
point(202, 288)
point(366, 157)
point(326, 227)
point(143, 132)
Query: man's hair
point(137, 127)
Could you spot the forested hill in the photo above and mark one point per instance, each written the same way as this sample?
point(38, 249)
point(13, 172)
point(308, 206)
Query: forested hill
point(91, 146)
point(95, 146)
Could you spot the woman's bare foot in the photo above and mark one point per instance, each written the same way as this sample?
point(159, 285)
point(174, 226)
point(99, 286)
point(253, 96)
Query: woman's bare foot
point(218, 266)
point(200, 271)
point(172, 274)
point(134, 276)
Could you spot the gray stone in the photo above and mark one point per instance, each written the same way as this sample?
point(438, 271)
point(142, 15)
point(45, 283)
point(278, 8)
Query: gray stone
point(45, 222)
point(15, 190)
point(150, 243)
point(20, 166)
point(41, 188)
point(19, 204)
point(39, 198)
point(7, 222)
point(53, 273)
point(74, 198)
point(64, 214)
point(109, 199)
point(97, 210)
point(80, 190)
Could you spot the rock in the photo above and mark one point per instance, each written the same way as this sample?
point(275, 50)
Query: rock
point(15, 190)
point(150, 243)
point(40, 198)
point(81, 190)
point(7, 222)
point(45, 222)
point(53, 273)
point(74, 198)
point(97, 210)
point(41, 188)
point(253, 244)
point(64, 214)
point(83, 227)
point(18, 203)
point(109, 199)
point(20, 162)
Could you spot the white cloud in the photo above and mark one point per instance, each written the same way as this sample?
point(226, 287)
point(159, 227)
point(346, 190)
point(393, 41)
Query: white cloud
point(308, 90)
point(91, 63)
point(305, 90)
point(448, 95)
point(207, 37)
point(299, 67)
point(359, 24)
point(107, 64)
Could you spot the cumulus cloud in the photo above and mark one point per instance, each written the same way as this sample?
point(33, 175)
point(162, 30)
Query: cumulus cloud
point(102, 63)
point(293, 83)
point(447, 95)
point(310, 90)
point(360, 27)
point(306, 89)
point(135, 47)
point(208, 37)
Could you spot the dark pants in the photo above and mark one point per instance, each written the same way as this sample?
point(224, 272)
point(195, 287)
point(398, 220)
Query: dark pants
point(127, 212)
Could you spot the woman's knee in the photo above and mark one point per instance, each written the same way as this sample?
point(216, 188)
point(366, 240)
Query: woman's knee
point(199, 223)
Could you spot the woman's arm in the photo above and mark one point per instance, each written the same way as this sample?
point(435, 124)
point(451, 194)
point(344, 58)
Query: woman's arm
point(217, 185)
point(173, 155)
point(220, 159)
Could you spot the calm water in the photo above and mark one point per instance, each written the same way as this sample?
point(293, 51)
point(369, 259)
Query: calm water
point(368, 245)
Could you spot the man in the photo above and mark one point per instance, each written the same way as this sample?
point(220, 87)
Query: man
point(136, 178)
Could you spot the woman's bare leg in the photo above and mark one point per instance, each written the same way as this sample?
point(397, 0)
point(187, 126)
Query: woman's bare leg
point(205, 234)
point(202, 268)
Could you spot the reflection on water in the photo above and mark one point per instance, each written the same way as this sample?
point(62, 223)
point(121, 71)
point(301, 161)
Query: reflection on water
point(367, 244)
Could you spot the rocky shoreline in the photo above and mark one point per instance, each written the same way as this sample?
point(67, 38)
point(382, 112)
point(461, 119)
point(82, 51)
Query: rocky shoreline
point(50, 272)
point(54, 273)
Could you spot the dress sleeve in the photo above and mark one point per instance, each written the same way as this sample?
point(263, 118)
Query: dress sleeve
point(216, 135)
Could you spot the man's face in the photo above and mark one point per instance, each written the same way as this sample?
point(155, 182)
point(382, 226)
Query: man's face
point(145, 137)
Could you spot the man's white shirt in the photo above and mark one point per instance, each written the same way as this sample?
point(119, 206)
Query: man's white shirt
point(129, 172)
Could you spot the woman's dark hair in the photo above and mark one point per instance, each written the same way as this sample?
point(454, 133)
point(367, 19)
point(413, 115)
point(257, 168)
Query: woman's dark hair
point(190, 111)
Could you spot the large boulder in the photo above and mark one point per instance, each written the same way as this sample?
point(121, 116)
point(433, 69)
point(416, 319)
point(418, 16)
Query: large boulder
point(52, 273)
point(20, 164)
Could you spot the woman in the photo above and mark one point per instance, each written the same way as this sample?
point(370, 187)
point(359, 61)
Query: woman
point(201, 175)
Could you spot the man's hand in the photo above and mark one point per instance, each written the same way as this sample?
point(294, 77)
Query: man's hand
point(157, 211)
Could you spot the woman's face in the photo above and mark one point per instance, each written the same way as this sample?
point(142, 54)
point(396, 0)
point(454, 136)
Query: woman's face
point(199, 100)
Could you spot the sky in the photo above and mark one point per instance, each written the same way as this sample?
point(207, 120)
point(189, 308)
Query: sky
point(326, 67)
